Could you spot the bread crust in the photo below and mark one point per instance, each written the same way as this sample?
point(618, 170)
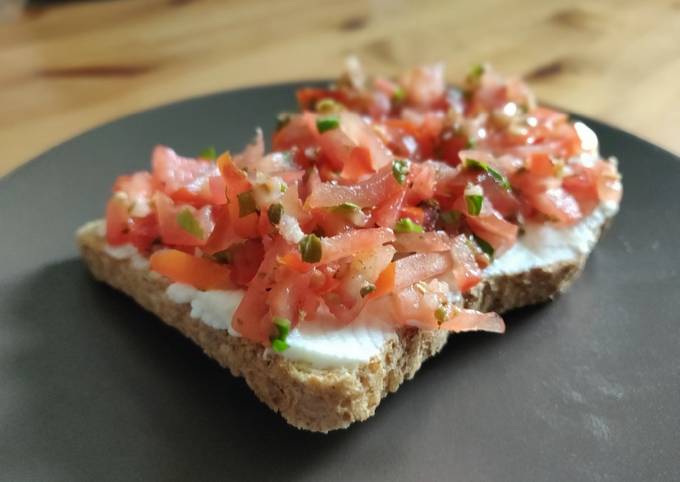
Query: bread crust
point(311, 398)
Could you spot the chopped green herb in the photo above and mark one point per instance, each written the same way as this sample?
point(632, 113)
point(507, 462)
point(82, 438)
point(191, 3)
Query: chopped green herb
point(279, 345)
point(400, 170)
point(470, 143)
point(282, 120)
point(282, 326)
point(484, 246)
point(474, 197)
point(399, 95)
point(274, 213)
point(310, 248)
point(209, 153)
point(405, 225)
point(246, 204)
point(327, 123)
point(188, 222)
point(441, 314)
point(328, 106)
point(367, 289)
point(450, 218)
point(346, 208)
point(474, 204)
point(496, 175)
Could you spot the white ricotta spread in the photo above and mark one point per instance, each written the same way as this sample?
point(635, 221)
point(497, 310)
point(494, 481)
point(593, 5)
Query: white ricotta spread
point(215, 308)
point(127, 251)
point(323, 345)
point(545, 244)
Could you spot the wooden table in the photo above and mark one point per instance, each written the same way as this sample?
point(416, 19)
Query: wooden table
point(67, 67)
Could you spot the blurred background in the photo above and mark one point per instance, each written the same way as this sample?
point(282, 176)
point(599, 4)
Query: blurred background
point(68, 66)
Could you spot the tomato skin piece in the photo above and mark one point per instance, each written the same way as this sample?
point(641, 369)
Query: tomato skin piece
point(354, 148)
point(495, 230)
point(293, 261)
point(252, 318)
point(466, 271)
point(246, 259)
point(223, 235)
point(450, 146)
point(137, 186)
point(425, 85)
point(429, 242)
point(385, 282)
point(117, 221)
point(368, 193)
point(351, 242)
point(171, 232)
point(186, 180)
point(419, 267)
point(300, 136)
point(245, 227)
point(144, 232)
point(387, 213)
point(200, 273)
point(421, 180)
point(558, 205)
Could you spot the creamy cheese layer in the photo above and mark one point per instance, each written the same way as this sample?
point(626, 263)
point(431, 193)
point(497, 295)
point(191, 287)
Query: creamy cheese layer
point(545, 244)
point(323, 345)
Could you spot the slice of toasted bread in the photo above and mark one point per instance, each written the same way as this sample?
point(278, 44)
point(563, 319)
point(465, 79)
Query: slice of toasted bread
point(330, 398)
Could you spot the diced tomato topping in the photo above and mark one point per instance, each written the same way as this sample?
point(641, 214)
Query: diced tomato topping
point(375, 157)
point(246, 259)
point(353, 148)
point(187, 180)
point(352, 242)
point(117, 221)
point(420, 266)
point(465, 268)
point(432, 242)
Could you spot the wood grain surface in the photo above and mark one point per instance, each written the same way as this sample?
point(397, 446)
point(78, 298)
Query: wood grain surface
point(69, 66)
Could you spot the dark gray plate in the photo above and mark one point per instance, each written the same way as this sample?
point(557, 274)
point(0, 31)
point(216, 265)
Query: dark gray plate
point(94, 388)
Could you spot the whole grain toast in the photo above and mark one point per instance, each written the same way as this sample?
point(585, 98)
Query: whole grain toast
point(307, 397)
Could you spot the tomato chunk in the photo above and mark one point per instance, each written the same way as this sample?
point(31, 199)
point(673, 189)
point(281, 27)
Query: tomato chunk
point(200, 273)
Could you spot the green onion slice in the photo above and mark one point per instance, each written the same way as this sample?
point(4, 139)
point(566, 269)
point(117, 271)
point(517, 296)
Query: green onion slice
point(282, 326)
point(496, 175)
point(279, 345)
point(405, 225)
point(188, 222)
point(274, 213)
point(400, 170)
point(484, 246)
point(327, 123)
point(310, 248)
